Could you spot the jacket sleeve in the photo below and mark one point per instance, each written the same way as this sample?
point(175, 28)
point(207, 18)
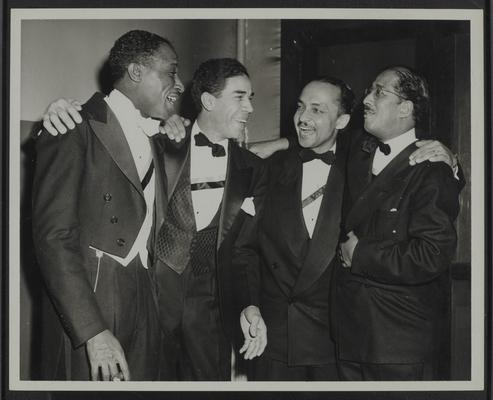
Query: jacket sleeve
point(58, 178)
point(429, 243)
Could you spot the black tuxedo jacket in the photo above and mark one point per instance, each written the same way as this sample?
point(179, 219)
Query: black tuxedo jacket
point(284, 272)
point(387, 304)
point(244, 170)
point(83, 181)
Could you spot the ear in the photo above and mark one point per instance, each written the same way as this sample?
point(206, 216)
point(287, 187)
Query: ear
point(208, 101)
point(342, 121)
point(135, 71)
point(406, 109)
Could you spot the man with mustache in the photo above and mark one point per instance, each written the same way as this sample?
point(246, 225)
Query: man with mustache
point(95, 194)
point(285, 252)
point(399, 220)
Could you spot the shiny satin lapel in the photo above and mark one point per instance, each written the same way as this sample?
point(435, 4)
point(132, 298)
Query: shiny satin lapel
point(113, 139)
point(161, 182)
point(381, 184)
point(235, 190)
point(174, 161)
point(326, 233)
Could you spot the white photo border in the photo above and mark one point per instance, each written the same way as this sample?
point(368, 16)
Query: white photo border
point(478, 349)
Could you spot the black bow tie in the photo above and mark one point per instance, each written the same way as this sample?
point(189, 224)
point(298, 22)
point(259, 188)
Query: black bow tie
point(370, 144)
point(307, 155)
point(216, 149)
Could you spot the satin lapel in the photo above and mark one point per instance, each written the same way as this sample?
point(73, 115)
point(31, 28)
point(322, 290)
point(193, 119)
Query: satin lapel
point(326, 233)
point(174, 161)
point(287, 199)
point(113, 139)
point(370, 198)
point(161, 182)
point(235, 190)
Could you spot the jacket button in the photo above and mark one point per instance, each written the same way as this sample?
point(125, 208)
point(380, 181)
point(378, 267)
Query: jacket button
point(114, 219)
point(120, 242)
point(107, 197)
point(274, 265)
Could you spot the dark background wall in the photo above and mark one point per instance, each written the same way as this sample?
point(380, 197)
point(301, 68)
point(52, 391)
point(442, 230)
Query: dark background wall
point(356, 51)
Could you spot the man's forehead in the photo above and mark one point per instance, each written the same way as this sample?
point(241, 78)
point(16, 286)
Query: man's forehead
point(238, 83)
point(320, 93)
point(167, 53)
point(386, 78)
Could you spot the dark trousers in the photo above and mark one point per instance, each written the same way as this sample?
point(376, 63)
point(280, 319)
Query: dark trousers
point(195, 347)
point(351, 371)
point(267, 369)
point(128, 305)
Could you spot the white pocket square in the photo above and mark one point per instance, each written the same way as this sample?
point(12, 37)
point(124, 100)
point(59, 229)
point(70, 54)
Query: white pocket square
point(248, 206)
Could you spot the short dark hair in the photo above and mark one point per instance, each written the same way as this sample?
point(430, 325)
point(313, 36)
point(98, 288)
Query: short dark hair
point(346, 101)
point(413, 87)
point(211, 77)
point(134, 47)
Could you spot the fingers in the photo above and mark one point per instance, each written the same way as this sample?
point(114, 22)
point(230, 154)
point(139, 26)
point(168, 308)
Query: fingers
point(174, 127)
point(431, 150)
point(252, 349)
point(253, 326)
point(106, 357)
point(65, 118)
point(94, 371)
point(186, 122)
point(52, 124)
point(422, 143)
point(106, 371)
point(73, 109)
point(124, 367)
point(262, 337)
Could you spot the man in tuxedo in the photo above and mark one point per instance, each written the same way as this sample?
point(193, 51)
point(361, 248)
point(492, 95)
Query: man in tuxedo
point(208, 181)
point(391, 285)
point(284, 253)
point(95, 194)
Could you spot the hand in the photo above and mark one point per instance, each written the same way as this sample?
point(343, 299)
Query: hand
point(269, 147)
point(174, 127)
point(60, 115)
point(432, 150)
point(105, 353)
point(347, 249)
point(254, 331)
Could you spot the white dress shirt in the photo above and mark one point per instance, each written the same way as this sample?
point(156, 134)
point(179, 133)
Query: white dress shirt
point(206, 168)
point(397, 144)
point(315, 174)
point(136, 130)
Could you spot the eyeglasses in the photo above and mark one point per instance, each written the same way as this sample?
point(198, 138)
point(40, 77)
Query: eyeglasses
point(379, 91)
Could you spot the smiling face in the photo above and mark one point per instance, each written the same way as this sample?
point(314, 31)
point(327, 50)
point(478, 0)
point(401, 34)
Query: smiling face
point(160, 86)
point(318, 118)
point(232, 107)
point(383, 106)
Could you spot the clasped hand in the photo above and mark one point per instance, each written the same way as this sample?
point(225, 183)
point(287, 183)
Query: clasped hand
point(254, 331)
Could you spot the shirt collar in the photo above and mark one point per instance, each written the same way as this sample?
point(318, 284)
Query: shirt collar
point(400, 142)
point(126, 112)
